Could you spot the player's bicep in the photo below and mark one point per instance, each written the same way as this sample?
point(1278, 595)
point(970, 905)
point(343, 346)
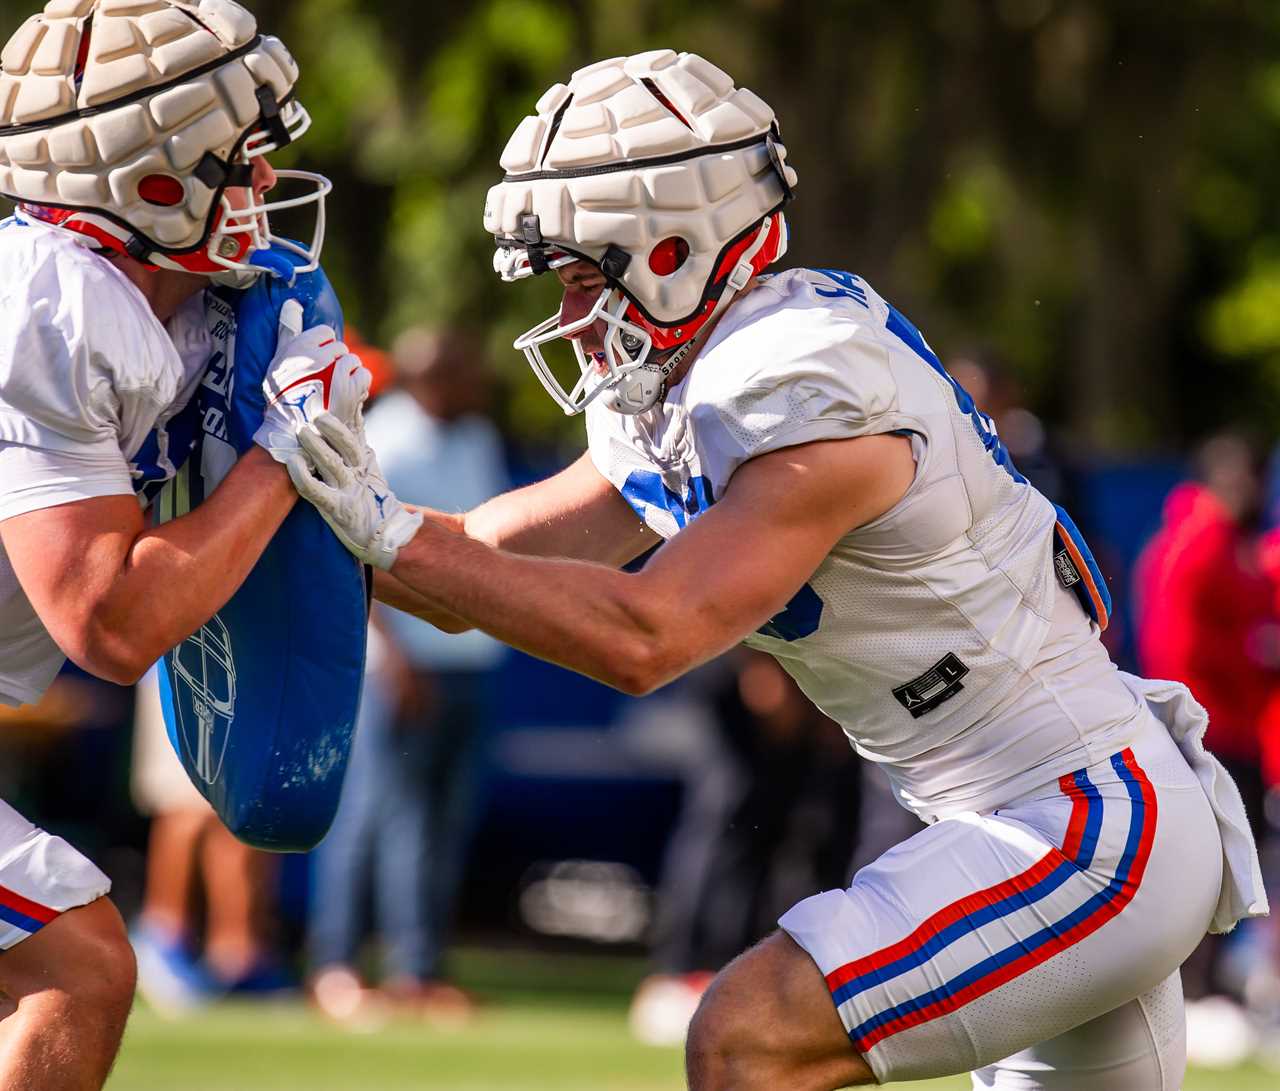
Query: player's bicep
point(575, 513)
point(66, 558)
point(742, 561)
point(62, 512)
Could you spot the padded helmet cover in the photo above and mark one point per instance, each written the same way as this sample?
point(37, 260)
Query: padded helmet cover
point(98, 95)
point(635, 151)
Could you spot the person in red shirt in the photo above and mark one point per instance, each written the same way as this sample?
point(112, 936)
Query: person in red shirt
point(1207, 611)
point(1270, 729)
point(1208, 615)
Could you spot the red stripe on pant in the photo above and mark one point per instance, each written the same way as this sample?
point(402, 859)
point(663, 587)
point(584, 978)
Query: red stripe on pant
point(26, 906)
point(1051, 947)
point(1079, 815)
point(944, 918)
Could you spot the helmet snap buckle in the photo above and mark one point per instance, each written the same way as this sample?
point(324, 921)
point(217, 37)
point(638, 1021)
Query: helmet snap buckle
point(742, 272)
point(270, 117)
point(777, 159)
point(614, 262)
point(530, 229)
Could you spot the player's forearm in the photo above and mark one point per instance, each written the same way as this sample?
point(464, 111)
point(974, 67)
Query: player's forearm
point(391, 592)
point(583, 616)
point(575, 513)
point(174, 577)
point(506, 523)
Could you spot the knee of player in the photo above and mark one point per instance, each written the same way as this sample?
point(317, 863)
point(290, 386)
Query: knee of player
point(724, 1031)
point(92, 963)
point(709, 1048)
point(767, 1021)
point(116, 979)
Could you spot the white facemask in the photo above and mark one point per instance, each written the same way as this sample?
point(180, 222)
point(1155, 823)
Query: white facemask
point(253, 218)
point(621, 371)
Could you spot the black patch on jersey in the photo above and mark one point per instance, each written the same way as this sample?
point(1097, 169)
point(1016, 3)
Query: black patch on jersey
point(939, 683)
point(1068, 573)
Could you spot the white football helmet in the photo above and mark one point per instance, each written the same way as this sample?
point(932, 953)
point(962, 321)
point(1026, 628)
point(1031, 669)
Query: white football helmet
point(134, 123)
point(666, 176)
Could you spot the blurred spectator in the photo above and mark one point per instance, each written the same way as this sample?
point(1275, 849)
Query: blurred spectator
point(769, 820)
point(1270, 731)
point(189, 848)
point(377, 361)
point(1206, 607)
point(405, 814)
point(1207, 616)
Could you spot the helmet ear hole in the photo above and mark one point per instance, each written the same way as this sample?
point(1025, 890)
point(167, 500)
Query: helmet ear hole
point(162, 190)
point(668, 255)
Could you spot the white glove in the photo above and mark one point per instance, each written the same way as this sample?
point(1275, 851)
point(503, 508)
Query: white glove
point(312, 373)
point(353, 496)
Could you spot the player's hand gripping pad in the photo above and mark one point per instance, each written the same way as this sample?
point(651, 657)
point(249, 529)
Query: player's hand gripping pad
point(261, 702)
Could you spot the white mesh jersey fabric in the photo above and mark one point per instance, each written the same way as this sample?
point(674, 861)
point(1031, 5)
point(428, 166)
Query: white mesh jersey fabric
point(84, 362)
point(992, 943)
point(960, 567)
point(87, 374)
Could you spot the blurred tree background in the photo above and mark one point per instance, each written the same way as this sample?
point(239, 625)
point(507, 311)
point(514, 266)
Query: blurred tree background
point(1083, 189)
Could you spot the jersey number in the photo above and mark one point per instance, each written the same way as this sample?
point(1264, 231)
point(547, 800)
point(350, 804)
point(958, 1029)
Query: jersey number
point(901, 327)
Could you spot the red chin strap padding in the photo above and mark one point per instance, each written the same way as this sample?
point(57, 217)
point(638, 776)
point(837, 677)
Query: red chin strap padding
point(71, 219)
point(669, 337)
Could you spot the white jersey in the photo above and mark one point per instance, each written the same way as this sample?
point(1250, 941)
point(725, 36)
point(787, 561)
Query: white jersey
point(936, 635)
point(90, 384)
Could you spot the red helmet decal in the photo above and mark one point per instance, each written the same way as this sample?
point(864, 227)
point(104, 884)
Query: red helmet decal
point(666, 337)
point(657, 93)
point(161, 189)
point(82, 52)
point(668, 256)
point(45, 213)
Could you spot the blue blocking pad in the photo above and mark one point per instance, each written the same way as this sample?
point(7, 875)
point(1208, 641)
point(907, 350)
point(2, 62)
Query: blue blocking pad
point(261, 703)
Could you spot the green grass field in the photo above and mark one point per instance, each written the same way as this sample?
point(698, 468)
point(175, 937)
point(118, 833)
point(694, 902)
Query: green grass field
point(546, 1025)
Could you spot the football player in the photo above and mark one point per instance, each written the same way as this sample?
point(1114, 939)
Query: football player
point(133, 139)
point(829, 494)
